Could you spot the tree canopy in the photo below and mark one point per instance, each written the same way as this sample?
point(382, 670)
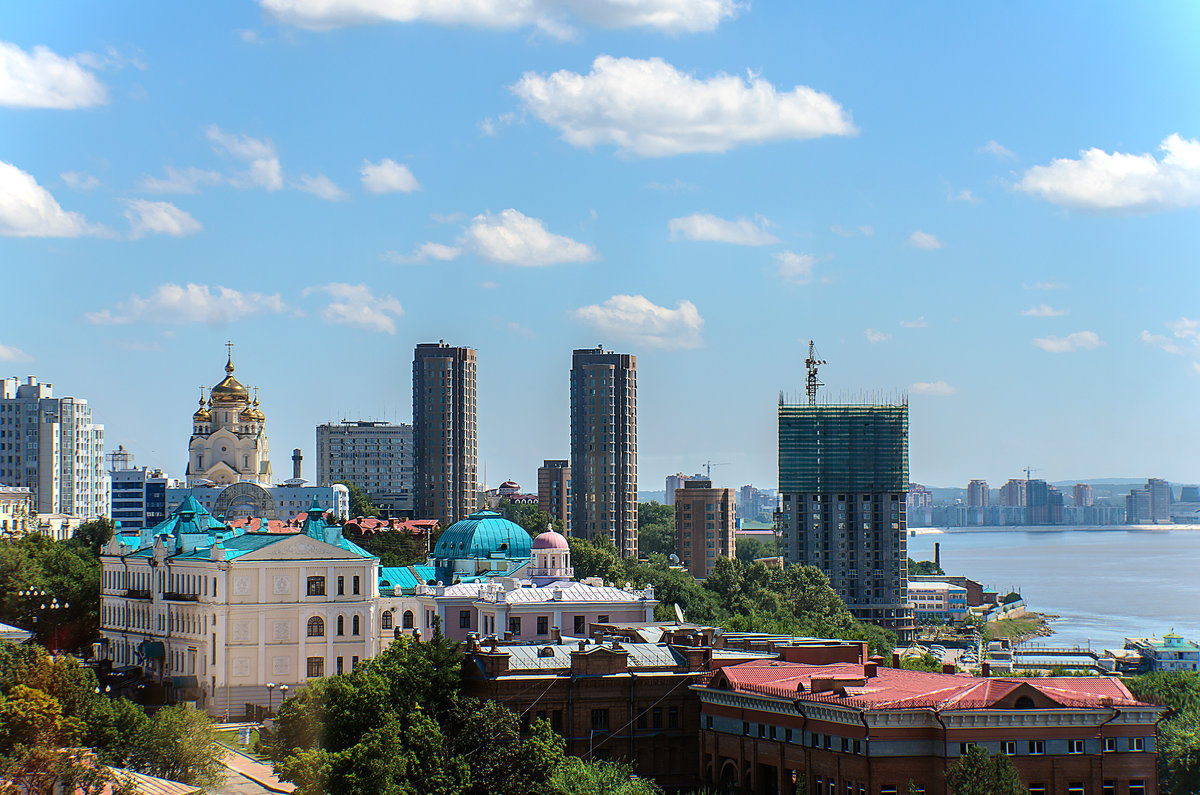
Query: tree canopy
point(360, 504)
point(529, 516)
point(1179, 732)
point(68, 572)
point(979, 773)
point(656, 528)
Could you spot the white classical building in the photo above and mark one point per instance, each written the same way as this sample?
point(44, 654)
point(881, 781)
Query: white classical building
point(229, 438)
point(16, 511)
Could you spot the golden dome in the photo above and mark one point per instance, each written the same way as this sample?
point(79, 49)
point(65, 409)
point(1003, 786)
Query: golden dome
point(202, 414)
point(230, 390)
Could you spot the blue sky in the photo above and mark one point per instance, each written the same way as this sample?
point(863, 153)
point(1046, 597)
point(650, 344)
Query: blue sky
point(989, 207)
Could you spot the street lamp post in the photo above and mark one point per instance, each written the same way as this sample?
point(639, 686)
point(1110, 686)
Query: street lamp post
point(282, 694)
point(270, 697)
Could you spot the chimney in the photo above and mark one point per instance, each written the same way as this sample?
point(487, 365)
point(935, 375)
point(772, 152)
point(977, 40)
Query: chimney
point(556, 634)
point(895, 660)
point(986, 668)
point(508, 635)
point(937, 555)
point(947, 668)
point(870, 670)
point(296, 456)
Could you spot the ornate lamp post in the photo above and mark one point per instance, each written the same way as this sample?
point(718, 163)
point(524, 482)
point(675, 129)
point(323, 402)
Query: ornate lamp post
point(270, 698)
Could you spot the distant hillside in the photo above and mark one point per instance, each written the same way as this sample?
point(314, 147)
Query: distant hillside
point(659, 496)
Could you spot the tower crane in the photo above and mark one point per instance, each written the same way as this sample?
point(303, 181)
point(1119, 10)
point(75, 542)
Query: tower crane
point(708, 465)
point(812, 363)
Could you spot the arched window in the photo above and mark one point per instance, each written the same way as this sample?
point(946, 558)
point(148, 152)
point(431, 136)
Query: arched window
point(408, 619)
point(316, 627)
point(387, 619)
point(1024, 702)
point(354, 626)
point(341, 625)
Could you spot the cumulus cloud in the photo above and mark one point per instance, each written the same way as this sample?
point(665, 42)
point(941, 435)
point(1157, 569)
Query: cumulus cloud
point(551, 16)
point(387, 176)
point(423, 253)
point(795, 268)
point(263, 169)
point(322, 187)
point(997, 149)
point(1184, 339)
point(79, 181)
point(1044, 310)
point(513, 238)
point(742, 232)
point(181, 180)
point(1077, 341)
point(357, 305)
point(9, 353)
point(1185, 328)
point(650, 109)
point(158, 218)
point(191, 303)
point(41, 78)
point(1161, 341)
point(28, 210)
point(918, 323)
point(638, 320)
point(921, 239)
point(874, 336)
point(1102, 182)
point(936, 388)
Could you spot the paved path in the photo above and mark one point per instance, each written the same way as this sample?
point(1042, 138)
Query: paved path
point(255, 771)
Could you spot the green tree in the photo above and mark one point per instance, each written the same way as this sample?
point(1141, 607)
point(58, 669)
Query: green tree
point(68, 573)
point(577, 777)
point(923, 567)
point(979, 773)
point(93, 535)
point(1178, 741)
point(751, 549)
point(529, 516)
point(360, 503)
point(654, 512)
point(180, 744)
point(656, 539)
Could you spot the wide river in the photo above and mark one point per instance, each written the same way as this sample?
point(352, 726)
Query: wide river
point(1105, 585)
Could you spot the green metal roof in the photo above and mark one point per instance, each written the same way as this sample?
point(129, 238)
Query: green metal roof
point(404, 578)
point(481, 534)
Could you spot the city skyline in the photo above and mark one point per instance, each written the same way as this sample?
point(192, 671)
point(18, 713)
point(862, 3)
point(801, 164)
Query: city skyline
point(329, 191)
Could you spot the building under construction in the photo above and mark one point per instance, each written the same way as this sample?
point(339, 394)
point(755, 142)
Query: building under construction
point(843, 481)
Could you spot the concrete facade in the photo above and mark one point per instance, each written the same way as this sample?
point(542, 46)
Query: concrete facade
point(444, 431)
point(554, 490)
point(378, 457)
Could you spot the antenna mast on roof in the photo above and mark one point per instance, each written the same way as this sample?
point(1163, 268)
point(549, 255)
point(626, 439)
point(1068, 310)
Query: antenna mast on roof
point(812, 362)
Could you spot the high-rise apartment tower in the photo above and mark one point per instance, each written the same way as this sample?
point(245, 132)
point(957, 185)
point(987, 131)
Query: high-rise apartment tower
point(704, 519)
point(843, 477)
point(375, 456)
point(604, 447)
point(444, 431)
point(977, 494)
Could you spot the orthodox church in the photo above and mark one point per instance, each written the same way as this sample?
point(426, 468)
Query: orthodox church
point(229, 438)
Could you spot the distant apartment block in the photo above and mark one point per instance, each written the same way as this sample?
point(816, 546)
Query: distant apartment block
point(977, 494)
point(51, 446)
point(704, 525)
point(444, 431)
point(843, 477)
point(675, 482)
point(1150, 504)
point(1043, 503)
point(1012, 493)
point(16, 511)
point(1081, 495)
point(554, 490)
point(378, 457)
point(753, 502)
point(604, 447)
point(139, 495)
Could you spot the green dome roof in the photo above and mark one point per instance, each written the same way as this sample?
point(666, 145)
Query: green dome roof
point(481, 534)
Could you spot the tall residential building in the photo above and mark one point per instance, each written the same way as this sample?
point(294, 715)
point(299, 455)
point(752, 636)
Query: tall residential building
point(1012, 493)
point(554, 490)
point(1150, 504)
point(229, 437)
point(977, 494)
point(378, 457)
point(704, 526)
point(139, 496)
point(604, 447)
point(1037, 502)
point(444, 431)
point(843, 477)
point(51, 446)
point(1082, 495)
point(675, 482)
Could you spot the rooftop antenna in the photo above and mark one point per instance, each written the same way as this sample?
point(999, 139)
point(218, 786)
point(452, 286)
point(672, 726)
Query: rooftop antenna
point(812, 362)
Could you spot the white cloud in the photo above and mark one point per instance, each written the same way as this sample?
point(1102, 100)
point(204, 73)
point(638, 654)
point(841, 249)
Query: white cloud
point(874, 336)
point(551, 16)
point(448, 218)
point(1077, 341)
point(79, 181)
point(490, 126)
point(43, 79)
point(796, 268)
point(994, 148)
point(321, 186)
point(936, 388)
point(180, 180)
point(742, 232)
point(918, 323)
point(28, 210)
point(1044, 310)
point(963, 195)
point(1184, 327)
point(158, 218)
point(924, 240)
point(651, 109)
point(387, 176)
point(636, 319)
point(357, 305)
point(193, 303)
point(1045, 286)
point(516, 239)
point(423, 253)
point(8, 353)
point(1103, 182)
point(864, 230)
point(1161, 341)
point(263, 169)
point(1184, 339)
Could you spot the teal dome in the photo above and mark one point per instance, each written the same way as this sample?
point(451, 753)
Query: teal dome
point(481, 534)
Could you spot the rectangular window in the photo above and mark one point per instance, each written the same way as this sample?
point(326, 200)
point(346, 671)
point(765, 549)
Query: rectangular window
point(1109, 788)
point(1037, 789)
point(1137, 787)
point(887, 789)
point(341, 585)
point(316, 586)
point(316, 666)
point(1037, 747)
point(356, 584)
point(673, 718)
point(1074, 746)
point(745, 728)
point(1137, 744)
point(1110, 744)
point(964, 747)
point(641, 720)
point(579, 625)
point(600, 719)
point(1075, 788)
point(543, 625)
point(464, 619)
point(340, 667)
point(657, 718)
point(1009, 748)
point(602, 619)
point(514, 625)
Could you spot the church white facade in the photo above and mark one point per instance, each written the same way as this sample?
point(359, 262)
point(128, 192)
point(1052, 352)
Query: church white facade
point(229, 438)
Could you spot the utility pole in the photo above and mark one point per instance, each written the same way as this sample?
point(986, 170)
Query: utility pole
point(812, 363)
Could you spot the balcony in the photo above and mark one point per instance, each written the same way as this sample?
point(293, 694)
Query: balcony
point(137, 593)
point(174, 596)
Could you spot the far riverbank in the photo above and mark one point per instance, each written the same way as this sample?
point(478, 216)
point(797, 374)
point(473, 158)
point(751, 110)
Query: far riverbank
point(1054, 528)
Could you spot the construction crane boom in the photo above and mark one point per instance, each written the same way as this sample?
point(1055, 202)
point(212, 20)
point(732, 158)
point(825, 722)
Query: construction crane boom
point(708, 465)
point(812, 363)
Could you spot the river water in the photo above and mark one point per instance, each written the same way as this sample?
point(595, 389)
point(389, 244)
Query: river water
point(1105, 585)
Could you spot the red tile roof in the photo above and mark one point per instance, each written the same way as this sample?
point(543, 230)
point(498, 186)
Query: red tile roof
point(893, 688)
point(365, 525)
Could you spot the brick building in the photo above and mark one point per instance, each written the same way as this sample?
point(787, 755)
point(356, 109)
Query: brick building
point(774, 727)
point(704, 519)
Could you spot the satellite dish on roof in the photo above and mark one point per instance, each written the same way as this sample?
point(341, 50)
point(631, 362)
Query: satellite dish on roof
point(678, 614)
